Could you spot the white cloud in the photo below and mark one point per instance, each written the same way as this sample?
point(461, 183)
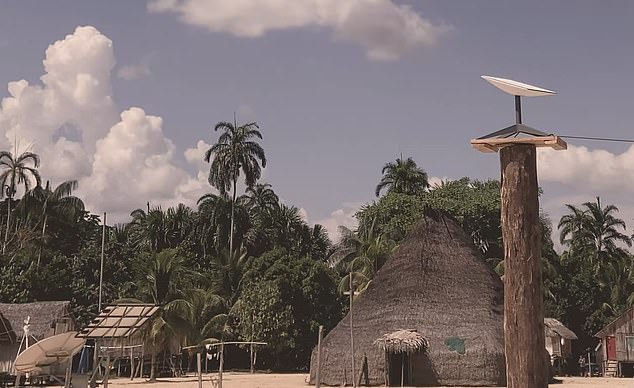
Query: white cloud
point(132, 72)
point(120, 160)
point(340, 217)
point(585, 174)
point(591, 170)
point(386, 30)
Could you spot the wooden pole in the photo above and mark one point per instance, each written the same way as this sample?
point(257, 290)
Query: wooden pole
point(107, 372)
point(354, 382)
point(402, 368)
point(318, 374)
point(131, 364)
point(222, 361)
point(523, 295)
point(200, 371)
point(68, 372)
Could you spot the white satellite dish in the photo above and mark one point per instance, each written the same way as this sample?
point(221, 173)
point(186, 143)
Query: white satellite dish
point(517, 88)
point(49, 351)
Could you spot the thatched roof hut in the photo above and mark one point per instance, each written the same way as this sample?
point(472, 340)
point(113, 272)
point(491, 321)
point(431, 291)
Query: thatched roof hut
point(44, 317)
point(45, 320)
point(436, 284)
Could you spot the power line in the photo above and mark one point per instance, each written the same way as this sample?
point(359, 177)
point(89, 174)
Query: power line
point(597, 138)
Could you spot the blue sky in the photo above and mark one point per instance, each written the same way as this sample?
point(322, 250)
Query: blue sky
point(338, 91)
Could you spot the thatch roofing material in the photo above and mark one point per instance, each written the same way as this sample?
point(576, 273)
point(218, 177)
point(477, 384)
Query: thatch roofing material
point(43, 317)
point(554, 328)
point(402, 341)
point(436, 283)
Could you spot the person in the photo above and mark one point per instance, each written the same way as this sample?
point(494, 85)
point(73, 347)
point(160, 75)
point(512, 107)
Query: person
point(582, 367)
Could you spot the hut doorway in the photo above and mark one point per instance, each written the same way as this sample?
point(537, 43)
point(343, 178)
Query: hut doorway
point(400, 369)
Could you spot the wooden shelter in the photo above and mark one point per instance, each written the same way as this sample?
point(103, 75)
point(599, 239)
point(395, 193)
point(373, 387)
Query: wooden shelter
point(617, 346)
point(558, 338)
point(45, 319)
point(437, 286)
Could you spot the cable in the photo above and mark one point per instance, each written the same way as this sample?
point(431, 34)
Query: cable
point(597, 138)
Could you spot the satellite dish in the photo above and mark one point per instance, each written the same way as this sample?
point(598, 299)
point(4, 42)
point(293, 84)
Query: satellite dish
point(517, 88)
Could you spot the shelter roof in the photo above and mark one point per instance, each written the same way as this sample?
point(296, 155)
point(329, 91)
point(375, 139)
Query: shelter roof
point(119, 321)
point(554, 328)
point(401, 341)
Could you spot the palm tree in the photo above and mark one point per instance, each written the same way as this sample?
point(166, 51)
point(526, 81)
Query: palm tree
point(404, 177)
point(594, 231)
point(262, 197)
point(17, 170)
point(214, 219)
point(361, 254)
point(59, 200)
point(236, 150)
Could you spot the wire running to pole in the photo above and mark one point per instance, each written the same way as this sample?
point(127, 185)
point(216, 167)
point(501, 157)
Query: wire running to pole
point(608, 139)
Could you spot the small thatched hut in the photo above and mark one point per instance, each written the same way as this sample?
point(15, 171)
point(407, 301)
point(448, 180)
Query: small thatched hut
point(437, 287)
point(45, 319)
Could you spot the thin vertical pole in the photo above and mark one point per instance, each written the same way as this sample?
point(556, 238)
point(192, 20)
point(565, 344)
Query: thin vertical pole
point(318, 374)
point(200, 371)
point(518, 109)
point(222, 361)
point(354, 382)
point(589, 365)
point(68, 370)
point(103, 242)
point(107, 372)
point(402, 369)
point(131, 364)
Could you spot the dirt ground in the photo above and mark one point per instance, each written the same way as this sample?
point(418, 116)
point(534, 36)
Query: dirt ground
point(245, 380)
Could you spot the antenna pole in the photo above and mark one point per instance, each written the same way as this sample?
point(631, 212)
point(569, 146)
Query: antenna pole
point(518, 110)
point(103, 242)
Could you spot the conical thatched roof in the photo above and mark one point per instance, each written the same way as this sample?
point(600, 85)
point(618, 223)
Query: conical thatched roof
point(43, 316)
point(437, 284)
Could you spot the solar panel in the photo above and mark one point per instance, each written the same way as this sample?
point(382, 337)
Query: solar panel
point(119, 321)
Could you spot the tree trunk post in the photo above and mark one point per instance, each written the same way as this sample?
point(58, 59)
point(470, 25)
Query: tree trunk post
point(523, 294)
point(318, 373)
point(199, 369)
point(131, 364)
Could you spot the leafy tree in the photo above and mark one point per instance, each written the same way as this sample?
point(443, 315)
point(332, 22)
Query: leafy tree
point(403, 176)
point(236, 150)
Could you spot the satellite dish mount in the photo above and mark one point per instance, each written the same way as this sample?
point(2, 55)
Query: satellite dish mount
point(494, 141)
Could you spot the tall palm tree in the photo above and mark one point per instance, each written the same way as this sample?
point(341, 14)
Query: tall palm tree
point(17, 170)
point(594, 232)
point(236, 151)
point(404, 177)
point(59, 200)
point(262, 197)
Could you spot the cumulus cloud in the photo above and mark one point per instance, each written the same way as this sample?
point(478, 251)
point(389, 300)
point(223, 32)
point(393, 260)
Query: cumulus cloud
point(343, 216)
point(132, 72)
point(120, 160)
point(384, 29)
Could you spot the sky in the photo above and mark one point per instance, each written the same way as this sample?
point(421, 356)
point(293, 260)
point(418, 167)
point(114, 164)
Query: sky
point(123, 95)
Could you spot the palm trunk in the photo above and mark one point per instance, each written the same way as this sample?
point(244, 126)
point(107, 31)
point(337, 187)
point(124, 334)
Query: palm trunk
point(6, 232)
point(39, 254)
point(233, 203)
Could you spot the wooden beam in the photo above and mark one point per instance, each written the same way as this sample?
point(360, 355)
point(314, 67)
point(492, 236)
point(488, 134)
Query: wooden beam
point(496, 144)
point(523, 295)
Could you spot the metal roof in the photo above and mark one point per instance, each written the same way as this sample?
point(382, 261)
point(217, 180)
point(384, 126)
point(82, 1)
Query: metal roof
point(119, 321)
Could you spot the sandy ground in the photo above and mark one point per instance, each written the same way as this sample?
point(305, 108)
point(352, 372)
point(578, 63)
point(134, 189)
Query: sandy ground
point(245, 380)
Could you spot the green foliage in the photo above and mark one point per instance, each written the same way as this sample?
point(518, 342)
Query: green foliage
point(309, 288)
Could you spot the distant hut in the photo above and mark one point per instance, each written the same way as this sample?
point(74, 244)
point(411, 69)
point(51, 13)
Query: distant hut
point(45, 319)
point(617, 346)
point(558, 338)
point(433, 315)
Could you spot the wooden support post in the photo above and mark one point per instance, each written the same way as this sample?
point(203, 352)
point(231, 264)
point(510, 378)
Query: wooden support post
point(523, 295)
point(106, 374)
point(252, 370)
point(131, 364)
point(354, 382)
point(200, 370)
point(318, 373)
point(68, 371)
point(222, 361)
